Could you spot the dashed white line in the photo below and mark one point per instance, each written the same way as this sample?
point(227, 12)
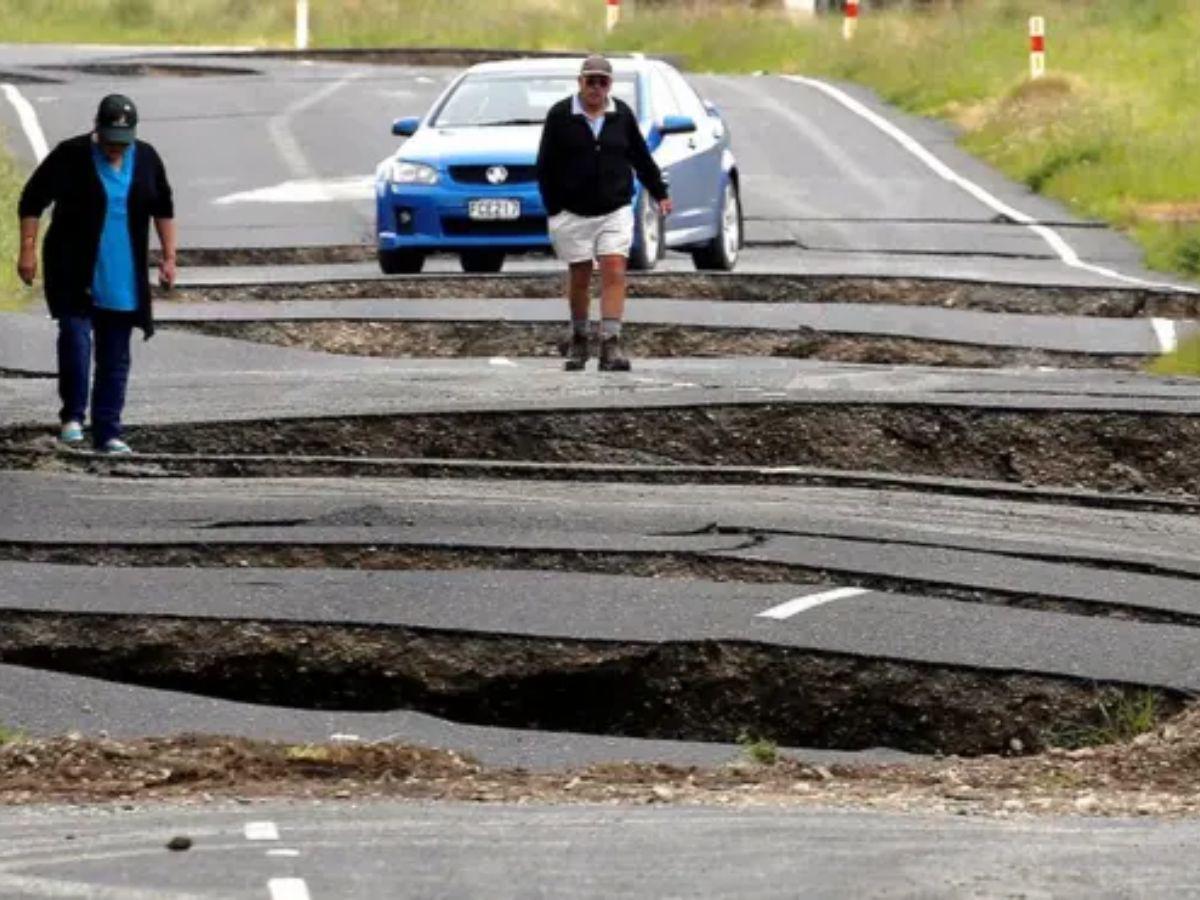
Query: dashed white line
point(288, 889)
point(261, 831)
point(29, 121)
point(800, 604)
point(1164, 330)
point(1064, 250)
point(283, 851)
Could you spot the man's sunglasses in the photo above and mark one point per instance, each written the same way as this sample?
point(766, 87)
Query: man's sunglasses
point(597, 81)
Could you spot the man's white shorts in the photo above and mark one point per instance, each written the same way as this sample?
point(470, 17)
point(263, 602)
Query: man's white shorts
point(579, 239)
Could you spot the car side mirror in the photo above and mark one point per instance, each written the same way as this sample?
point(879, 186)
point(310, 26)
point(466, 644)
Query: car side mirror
point(406, 127)
point(677, 125)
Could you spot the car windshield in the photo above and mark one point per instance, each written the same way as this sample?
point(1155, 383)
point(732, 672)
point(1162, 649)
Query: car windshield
point(515, 99)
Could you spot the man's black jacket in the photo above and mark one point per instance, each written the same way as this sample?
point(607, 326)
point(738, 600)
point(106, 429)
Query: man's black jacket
point(68, 179)
point(591, 176)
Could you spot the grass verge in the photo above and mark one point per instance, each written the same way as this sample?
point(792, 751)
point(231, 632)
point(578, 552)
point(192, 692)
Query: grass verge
point(13, 294)
point(1116, 722)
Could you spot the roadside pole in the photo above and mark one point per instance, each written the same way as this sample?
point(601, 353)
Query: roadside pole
point(1037, 47)
point(301, 24)
point(850, 22)
point(612, 9)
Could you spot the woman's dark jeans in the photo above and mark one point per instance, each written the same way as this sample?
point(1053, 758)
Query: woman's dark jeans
point(111, 338)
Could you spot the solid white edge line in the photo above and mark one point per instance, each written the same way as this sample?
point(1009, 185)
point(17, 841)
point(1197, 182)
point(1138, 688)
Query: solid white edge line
point(29, 121)
point(800, 604)
point(1064, 250)
point(1164, 330)
point(261, 831)
point(288, 889)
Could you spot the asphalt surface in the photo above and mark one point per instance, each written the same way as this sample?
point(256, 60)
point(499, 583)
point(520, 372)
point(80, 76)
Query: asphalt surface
point(449, 850)
point(280, 156)
point(283, 173)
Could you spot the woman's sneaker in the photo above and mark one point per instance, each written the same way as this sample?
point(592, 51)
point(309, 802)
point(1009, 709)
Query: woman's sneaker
point(72, 433)
point(114, 447)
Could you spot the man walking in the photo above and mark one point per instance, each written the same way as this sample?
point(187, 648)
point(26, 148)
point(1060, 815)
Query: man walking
point(589, 143)
point(105, 187)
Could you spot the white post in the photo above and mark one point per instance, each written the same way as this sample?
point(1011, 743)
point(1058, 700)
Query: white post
point(850, 22)
point(612, 14)
point(1037, 47)
point(301, 24)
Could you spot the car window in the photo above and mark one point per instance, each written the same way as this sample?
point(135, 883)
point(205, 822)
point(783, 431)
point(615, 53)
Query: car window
point(689, 103)
point(491, 100)
point(662, 101)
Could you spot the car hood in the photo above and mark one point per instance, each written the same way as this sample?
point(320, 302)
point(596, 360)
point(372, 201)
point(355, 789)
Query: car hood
point(511, 144)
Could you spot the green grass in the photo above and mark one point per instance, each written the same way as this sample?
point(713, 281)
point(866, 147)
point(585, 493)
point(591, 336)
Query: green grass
point(13, 294)
point(1115, 721)
point(758, 749)
point(8, 735)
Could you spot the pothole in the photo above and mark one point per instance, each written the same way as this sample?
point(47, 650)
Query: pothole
point(383, 556)
point(456, 339)
point(153, 70)
point(734, 287)
point(1104, 451)
point(707, 691)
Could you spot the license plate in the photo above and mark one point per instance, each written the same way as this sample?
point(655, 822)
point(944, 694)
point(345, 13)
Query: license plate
point(494, 210)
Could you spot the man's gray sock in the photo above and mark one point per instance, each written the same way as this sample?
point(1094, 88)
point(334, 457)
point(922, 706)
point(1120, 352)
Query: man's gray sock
point(610, 328)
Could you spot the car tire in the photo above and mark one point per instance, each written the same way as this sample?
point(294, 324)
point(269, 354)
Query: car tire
point(722, 251)
point(481, 261)
point(648, 244)
point(401, 262)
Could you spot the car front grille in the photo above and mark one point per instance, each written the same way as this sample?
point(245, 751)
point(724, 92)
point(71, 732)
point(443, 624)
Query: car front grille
point(457, 226)
point(478, 174)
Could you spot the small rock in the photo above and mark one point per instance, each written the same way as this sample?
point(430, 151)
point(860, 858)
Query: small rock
point(180, 842)
point(1016, 745)
point(1170, 733)
point(1143, 739)
point(1014, 805)
point(1082, 753)
point(573, 783)
point(1087, 803)
point(1150, 808)
point(663, 793)
point(823, 773)
point(343, 795)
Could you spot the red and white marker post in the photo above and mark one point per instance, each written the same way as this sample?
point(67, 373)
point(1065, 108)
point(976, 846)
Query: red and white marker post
point(613, 10)
point(850, 22)
point(1037, 47)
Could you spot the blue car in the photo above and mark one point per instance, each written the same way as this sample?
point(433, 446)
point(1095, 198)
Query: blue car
point(464, 181)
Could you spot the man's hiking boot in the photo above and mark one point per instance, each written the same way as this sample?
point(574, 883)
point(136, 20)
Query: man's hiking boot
point(612, 358)
point(577, 353)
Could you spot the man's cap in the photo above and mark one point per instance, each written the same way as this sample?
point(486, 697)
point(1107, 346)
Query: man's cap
point(116, 120)
point(596, 65)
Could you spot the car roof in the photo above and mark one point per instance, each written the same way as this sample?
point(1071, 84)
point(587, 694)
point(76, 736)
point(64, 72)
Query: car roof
point(557, 65)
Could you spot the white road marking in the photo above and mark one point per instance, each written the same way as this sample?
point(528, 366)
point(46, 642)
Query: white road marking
point(29, 121)
point(800, 604)
point(280, 128)
point(501, 361)
point(283, 851)
point(261, 831)
point(288, 889)
point(1164, 330)
point(314, 190)
point(1064, 250)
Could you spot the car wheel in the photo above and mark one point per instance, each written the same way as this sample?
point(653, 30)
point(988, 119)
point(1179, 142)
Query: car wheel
point(722, 251)
point(481, 260)
point(401, 262)
point(647, 247)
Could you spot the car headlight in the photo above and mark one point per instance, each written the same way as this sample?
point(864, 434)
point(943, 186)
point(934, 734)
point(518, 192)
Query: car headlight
point(402, 172)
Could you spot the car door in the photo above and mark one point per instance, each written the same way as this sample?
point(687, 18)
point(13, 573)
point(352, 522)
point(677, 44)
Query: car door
point(671, 152)
point(703, 161)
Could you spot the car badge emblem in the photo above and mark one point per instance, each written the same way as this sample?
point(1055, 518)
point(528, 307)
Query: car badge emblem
point(497, 175)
